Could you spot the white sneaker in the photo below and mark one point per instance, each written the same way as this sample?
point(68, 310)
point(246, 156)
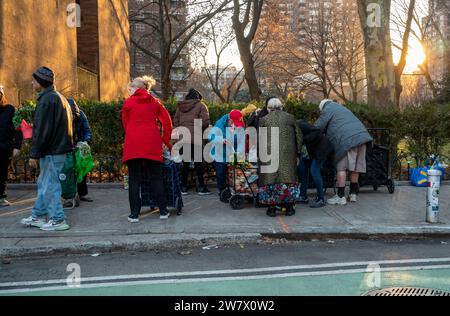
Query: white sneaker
point(33, 221)
point(4, 202)
point(164, 216)
point(55, 226)
point(353, 197)
point(336, 200)
point(133, 219)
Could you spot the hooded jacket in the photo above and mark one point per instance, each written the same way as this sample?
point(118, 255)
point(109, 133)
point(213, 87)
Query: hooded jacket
point(187, 112)
point(140, 116)
point(81, 129)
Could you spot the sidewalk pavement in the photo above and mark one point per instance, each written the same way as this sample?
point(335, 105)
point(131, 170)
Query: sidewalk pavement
point(102, 226)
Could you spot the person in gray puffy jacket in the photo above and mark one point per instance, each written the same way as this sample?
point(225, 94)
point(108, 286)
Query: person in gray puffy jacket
point(349, 137)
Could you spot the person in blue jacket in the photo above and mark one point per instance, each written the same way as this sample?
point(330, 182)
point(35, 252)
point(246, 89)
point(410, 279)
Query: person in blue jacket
point(221, 136)
point(82, 133)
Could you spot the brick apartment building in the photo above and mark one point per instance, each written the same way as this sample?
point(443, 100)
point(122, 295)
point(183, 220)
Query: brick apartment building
point(90, 61)
point(142, 64)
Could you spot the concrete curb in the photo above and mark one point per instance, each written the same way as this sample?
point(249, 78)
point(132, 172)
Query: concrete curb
point(157, 242)
point(153, 242)
point(33, 186)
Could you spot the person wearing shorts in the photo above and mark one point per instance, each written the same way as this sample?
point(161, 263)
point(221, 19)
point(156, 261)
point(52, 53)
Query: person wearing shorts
point(349, 138)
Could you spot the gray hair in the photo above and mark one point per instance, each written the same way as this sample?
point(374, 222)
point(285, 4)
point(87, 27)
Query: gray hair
point(322, 104)
point(274, 104)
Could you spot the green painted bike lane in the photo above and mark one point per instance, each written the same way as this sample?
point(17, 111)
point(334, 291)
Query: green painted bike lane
point(352, 284)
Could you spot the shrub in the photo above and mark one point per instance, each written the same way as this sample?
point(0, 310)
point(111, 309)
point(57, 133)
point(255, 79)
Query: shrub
point(424, 129)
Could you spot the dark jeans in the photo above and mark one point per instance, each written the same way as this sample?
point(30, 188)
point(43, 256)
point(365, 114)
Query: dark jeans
point(221, 175)
point(5, 158)
point(199, 170)
point(82, 188)
point(137, 168)
point(315, 167)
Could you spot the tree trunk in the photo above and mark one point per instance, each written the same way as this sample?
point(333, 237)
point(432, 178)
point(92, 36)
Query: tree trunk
point(249, 67)
point(431, 84)
point(244, 39)
point(166, 82)
point(375, 22)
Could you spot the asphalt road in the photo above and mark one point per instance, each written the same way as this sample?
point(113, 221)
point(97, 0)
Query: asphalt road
point(275, 267)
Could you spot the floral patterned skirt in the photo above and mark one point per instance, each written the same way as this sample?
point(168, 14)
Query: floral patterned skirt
point(279, 193)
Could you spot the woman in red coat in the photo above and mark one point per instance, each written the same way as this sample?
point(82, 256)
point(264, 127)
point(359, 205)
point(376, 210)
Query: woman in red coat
point(142, 151)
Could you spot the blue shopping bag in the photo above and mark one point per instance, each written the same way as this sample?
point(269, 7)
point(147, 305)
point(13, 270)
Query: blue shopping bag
point(419, 177)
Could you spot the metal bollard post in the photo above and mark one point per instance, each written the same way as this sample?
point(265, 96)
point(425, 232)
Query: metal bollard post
point(433, 185)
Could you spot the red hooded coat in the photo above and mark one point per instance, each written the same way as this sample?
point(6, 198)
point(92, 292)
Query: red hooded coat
point(140, 116)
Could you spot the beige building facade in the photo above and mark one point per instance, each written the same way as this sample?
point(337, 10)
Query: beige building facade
point(85, 42)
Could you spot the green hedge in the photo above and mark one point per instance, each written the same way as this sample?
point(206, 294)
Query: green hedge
point(424, 129)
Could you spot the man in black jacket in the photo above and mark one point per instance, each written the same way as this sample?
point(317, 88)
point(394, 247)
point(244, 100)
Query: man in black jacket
point(52, 141)
point(319, 148)
point(10, 143)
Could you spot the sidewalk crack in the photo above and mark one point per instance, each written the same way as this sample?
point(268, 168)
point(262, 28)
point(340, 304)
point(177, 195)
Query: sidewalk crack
point(15, 244)
point(338, 218)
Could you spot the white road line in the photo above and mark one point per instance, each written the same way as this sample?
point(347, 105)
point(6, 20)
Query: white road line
point(228, 271)
point(216, 279)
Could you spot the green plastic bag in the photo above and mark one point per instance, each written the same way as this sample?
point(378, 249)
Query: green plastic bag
point(84, 163)
point(68, 179)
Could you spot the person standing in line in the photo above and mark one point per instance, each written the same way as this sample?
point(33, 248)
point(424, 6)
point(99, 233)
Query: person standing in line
point(10, 143)
point(51, 142)
point(349, 138)
point(279, 189)
point(189, 110)
point(143, 147)
point(82, 133)
point(228, 130)
point(319, 149)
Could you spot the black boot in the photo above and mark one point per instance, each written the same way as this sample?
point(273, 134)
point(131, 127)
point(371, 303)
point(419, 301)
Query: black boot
point(290, 210)
point(271, 211)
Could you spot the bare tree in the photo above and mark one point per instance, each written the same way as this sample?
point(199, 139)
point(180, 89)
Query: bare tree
point(316, 55)
point(425, 23)
point(346, 75)
point(275, 51)
point(245, 25)
point(403, 21)
point(170, 25)
point(225, 80)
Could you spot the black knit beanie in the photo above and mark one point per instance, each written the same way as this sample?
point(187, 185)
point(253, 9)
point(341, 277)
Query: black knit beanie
point(44, 76)
point(193, 95)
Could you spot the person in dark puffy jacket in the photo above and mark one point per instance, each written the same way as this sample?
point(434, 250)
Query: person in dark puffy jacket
point(10, 143)
point(189, 110)
point(51, 142)
point(349, 138)
point(318, 149)
point(81, 133)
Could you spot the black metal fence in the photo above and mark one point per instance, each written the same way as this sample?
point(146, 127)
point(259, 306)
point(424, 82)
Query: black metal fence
point(109, 169)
